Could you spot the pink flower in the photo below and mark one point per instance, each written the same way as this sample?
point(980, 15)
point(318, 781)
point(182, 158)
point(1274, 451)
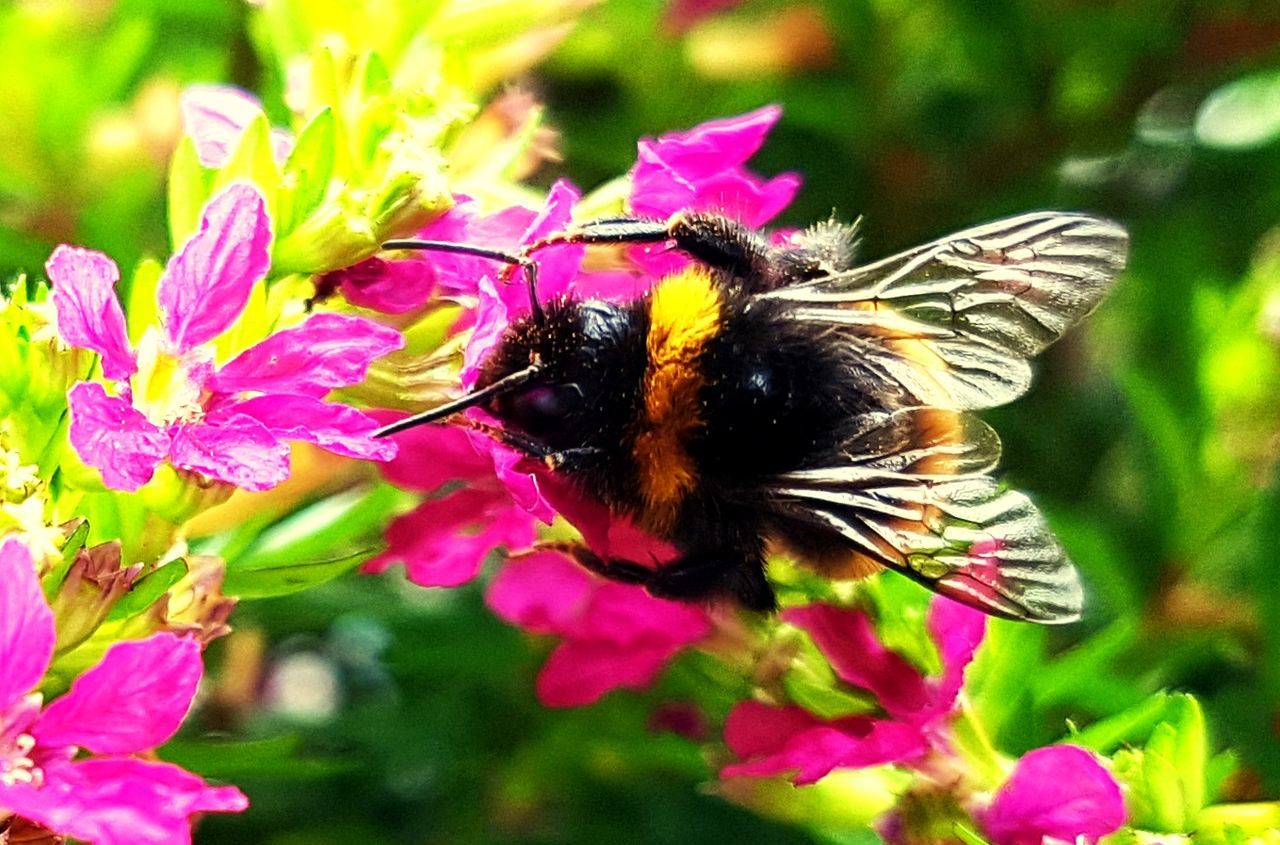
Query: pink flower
point(392, 287)
point(1059, 793)
point(132, 701)
point(703, 169)
point(173, 403)
point(216, 116)
point(498, 305)
point(613, 635)
point(397, 286)
point(771, 740)
point(444, 541)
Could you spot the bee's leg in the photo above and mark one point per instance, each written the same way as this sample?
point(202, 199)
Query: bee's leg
point(613, 568)
point(697, 576)
point(690, 578)
point(717, 241)
point(572, 460)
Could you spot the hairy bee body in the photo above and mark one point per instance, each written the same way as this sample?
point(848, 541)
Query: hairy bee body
point(689, 399)
point(781, 396)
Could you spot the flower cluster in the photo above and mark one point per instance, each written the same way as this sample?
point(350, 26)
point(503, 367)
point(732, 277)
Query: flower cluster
point(152, 418)
point(229, 422)
point(132, 701)
point(1061, 792)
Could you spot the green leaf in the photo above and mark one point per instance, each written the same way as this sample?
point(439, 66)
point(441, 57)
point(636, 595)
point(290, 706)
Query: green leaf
point(281, 579)
point(1241, 114)
point(1167, 777)
point(1131, 725)
point(307, 171)
point(278, 758)
point(70, 548)
point(189, 189)
point(147, 589)
point(968, 835)
point(253, 162)
point(332, 527)
point(996, 681)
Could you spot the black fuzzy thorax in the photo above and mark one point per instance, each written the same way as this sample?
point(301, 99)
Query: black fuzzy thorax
point(597, 350)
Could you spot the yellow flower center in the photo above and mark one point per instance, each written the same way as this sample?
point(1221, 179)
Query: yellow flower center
point(164, 388)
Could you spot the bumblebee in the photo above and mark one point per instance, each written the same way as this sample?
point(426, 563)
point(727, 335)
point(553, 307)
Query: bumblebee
point(782, 398)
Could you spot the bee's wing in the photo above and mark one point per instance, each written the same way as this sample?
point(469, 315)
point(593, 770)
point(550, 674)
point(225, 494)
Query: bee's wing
point(915, 495)
point(953, 322)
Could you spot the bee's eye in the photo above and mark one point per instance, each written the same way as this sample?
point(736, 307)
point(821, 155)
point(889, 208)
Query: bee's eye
point(539, 410)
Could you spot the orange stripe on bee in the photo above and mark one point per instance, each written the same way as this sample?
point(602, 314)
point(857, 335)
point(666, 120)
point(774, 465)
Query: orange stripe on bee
point(684, 314)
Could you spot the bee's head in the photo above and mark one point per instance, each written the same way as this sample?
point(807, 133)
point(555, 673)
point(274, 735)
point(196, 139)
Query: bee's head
point(564, 375)
point(575, 356)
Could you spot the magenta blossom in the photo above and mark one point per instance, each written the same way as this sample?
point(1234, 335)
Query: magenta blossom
point(444, 541)
point(704, 169)
point(1060, 793)
point(216, 116)
point(172, 401)
point(68, 766)
point(772, 740)
point(613, 635)
point(397, 286)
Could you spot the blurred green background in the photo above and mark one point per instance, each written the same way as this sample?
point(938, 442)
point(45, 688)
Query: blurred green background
point(1150, 437)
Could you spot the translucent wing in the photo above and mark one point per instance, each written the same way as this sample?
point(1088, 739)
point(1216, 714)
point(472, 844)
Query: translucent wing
point(914, 495)
point(953, 322)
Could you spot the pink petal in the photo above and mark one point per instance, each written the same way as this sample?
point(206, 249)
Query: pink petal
point(490, 321)
point(702, 170)
point(112, 436)
point(327, 351)
point(89, 314)
point(593, 520)
point(340, 429)
point(132, 701)
point(1060, 792)
point(26, 626)
point(710, 147)
point(438, 542)
point(958, 631)
point(580, 672)
point(544, 593)
point(457, 273)
point(430, 455)
point(791, 740)
point(848, 640)
point(392, 287)
point(519, 476)
point(121, 802)
point(207, 283)
point(621, 638)
point(746, 197)
point(238, 450)
point(558, 265)
point(215, 116)
point(629, 617)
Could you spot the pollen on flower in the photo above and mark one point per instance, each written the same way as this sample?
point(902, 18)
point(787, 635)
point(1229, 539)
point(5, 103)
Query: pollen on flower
point(164, 388)
point(18, 479)
point(27, 519)
point(17, 765)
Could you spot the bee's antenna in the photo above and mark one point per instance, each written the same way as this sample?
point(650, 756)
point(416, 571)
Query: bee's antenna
point(523, 261)
point(469, 400)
